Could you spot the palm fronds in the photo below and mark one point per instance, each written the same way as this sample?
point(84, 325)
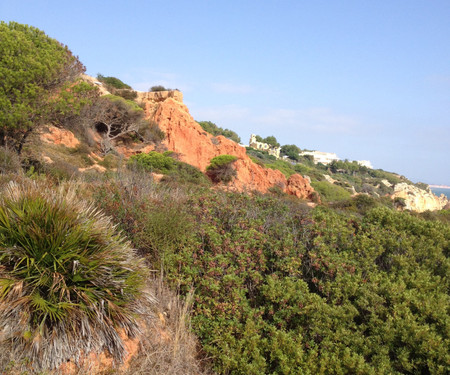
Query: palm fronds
point(68, 280)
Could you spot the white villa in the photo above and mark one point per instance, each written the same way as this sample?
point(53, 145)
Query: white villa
point(327, 157)
point(365, 163)
point(321, 157)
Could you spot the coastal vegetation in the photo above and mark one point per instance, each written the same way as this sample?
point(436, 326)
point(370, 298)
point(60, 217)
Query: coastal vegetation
point(207, 280)
point(215, 130)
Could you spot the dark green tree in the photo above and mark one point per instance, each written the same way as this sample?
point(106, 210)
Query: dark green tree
point(272, 141)
point(32, 68)
point(291, 151)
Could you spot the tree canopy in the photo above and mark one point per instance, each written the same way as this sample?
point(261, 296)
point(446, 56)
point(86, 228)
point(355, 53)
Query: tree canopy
point(291, 151)
point(32, 67)
point(270, 140)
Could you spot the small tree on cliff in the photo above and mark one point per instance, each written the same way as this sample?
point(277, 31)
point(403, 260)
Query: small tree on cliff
point(221, 168)
point(114, 117)
point(33, 67)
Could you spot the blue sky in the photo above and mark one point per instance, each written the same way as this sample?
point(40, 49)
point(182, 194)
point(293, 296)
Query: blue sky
point(364, 79)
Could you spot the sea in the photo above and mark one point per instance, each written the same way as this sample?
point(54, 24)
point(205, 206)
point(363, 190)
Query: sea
point(439, 191)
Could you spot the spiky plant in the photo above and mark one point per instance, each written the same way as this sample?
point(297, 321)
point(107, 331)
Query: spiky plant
point(68, 280)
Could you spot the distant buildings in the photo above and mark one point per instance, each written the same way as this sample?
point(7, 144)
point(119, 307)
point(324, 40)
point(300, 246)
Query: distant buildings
point(275, 151)
point(327, 157)
point(317, 156)
point(321, 157)
point(365, 163)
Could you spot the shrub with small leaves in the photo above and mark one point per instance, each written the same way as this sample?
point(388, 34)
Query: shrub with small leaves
point(153, 162)
point(221, 168)
point(68, 280)
point(158, 88)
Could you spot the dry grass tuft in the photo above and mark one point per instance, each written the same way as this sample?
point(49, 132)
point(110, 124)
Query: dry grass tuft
point(169, 346)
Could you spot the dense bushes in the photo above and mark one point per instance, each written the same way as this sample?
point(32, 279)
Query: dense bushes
point(154, 162)
point(68, 281)
point(167, 164)
point(116, 87)
point(113, 82)
point(279, 290)
point(330, 192)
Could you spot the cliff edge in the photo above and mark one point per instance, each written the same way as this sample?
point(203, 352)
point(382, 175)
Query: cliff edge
point(197, 147)
point(418, 199)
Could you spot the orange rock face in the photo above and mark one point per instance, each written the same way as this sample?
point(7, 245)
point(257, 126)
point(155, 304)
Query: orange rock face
point(197, 147)
point(300, 187)
point(60, 137)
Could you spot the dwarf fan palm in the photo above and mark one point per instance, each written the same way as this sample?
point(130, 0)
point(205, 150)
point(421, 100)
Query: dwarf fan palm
point(68, 280)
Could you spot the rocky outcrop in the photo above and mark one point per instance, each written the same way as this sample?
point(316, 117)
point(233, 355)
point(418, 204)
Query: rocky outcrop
point(418, 199)
point(300, 187)
point(59, 136)
point(197, 147)
point(152, 99)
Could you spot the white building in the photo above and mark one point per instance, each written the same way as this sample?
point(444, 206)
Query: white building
point(321, 157)
point(365, 163)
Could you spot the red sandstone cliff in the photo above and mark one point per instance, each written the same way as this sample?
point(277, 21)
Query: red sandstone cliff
point(197, 147)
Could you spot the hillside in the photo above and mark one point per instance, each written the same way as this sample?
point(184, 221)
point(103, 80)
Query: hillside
point(132, 241)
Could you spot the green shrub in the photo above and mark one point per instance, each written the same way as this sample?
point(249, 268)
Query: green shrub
point(174, 170)
point(68, 281)
point(283, 166)
point(262, 155)
point(186, 173)
point(153, 162)
point(221, 168)
point(291, 151)
point(158, 88)
point(113, 82)
point(329, 192)
point(155, 220)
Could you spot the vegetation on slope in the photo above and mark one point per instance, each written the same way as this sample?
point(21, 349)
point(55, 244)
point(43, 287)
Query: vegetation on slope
point(33, 67)
point(349, 177)
point(273, 285)
point(212, 128)
point(116, 87)
point(281, 288)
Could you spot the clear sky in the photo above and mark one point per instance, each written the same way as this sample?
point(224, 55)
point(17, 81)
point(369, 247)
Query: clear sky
point(364, 79)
